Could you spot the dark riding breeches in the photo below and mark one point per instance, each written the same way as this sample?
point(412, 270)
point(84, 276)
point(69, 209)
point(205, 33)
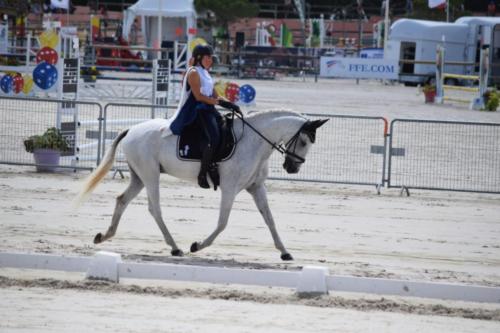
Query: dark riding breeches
point(209, 120)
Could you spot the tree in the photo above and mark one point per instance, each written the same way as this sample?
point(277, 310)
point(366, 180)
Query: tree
point(227, 11)
point(422, 11)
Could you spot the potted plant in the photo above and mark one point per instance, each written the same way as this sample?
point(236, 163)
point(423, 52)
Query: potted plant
point(429, 91)
point(491, 100)
point(46, 149)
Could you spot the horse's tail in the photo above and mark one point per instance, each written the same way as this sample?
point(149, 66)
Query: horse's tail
point(98, 174)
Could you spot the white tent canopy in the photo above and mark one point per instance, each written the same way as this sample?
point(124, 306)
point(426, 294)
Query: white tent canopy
point(161, 19)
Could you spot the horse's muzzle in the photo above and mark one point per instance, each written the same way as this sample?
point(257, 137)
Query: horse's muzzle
point(291, 166)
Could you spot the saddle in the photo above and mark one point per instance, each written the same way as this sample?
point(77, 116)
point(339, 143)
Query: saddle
point(191, 141)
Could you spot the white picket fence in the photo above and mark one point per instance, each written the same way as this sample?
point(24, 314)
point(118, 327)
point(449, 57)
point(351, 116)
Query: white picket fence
point(309, 280)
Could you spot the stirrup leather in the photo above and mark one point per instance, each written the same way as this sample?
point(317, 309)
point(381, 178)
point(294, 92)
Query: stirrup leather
point(213, 172)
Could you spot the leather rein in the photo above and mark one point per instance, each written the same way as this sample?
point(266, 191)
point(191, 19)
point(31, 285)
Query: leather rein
point(283, 150)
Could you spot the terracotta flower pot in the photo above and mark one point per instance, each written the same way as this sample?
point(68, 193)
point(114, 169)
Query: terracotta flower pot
point(47, 160)
point(430, 96)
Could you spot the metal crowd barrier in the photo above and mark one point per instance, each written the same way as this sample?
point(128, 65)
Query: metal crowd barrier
point(420, 154)
point(348, 150)
point(21, 118)
point(120, 116)
point(444, 155)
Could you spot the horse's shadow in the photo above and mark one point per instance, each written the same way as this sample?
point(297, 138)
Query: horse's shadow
point(211, 262)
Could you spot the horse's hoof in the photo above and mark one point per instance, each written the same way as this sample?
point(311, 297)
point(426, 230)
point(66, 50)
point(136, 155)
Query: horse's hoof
point(286, 257)
point(195, 247)
point(177, 253)
point(98, 238)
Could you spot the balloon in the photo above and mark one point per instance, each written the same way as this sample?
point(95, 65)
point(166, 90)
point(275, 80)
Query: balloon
point(49, 38)
point(232, 92)
point(28, 84)
point(247, 93)
point(45, 75)
point(47, 54)
point(6, 83)
point(220, 88)
point(18, 83)
point(271, 28)
point(195, 42)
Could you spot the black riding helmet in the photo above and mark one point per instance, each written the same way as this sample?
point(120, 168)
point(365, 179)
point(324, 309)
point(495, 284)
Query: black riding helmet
point(200, 51)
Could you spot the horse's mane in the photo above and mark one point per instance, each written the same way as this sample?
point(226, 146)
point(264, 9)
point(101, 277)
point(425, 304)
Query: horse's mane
point(273, 112)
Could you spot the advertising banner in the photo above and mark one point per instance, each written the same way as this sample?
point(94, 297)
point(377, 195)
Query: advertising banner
point(359, 68)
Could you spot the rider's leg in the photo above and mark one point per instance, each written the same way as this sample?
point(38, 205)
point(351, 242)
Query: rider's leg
point(211, 130)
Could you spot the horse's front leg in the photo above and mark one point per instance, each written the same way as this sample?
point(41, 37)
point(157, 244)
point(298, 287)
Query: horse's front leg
point(258, 192)
point(227, 199)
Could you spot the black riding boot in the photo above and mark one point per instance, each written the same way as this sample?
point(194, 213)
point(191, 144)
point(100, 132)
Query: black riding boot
point(206, 161)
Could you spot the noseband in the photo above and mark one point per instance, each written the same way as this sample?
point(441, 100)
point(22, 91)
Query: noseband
point(293, 142)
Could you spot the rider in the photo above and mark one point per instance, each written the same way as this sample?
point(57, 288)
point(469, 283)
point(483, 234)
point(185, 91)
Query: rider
point(200, 105)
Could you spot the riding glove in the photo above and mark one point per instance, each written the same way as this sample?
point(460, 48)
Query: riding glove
point(230, 106)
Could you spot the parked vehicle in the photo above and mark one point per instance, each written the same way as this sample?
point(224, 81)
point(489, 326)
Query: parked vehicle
point(416, 40)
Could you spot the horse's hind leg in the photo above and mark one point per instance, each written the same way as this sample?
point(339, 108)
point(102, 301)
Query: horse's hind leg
point(259, 195)
point(122, 201)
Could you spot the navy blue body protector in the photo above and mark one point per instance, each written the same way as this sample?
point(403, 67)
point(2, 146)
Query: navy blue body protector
point(206, 114)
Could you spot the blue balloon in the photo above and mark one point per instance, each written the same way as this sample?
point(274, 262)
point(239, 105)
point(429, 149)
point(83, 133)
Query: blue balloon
point(247, 94)
point(6, 83)
point(45, 75)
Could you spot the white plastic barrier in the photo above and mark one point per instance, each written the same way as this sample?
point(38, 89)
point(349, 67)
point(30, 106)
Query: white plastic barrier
point(310, 280)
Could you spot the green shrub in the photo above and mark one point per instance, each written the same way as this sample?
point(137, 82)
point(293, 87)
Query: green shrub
point(491, 100)
point(51, 139)
point(427, 88)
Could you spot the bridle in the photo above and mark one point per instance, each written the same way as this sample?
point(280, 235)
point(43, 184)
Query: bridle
point(282, 149)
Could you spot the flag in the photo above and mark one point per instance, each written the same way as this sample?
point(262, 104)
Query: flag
point(59, 4)
point(286, 36)
point(437, 3)
point(95, 23)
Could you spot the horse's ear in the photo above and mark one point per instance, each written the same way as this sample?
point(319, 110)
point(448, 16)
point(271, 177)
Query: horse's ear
point(310, 127)
point(315, 124)
point(320, 122)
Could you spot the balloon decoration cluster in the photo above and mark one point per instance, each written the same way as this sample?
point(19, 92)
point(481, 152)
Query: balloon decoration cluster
point(234, 93)
point(195, 42)
point(45, 73)
point(14, 82)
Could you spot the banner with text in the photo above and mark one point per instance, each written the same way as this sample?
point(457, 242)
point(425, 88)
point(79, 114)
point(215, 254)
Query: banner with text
point(359, 68)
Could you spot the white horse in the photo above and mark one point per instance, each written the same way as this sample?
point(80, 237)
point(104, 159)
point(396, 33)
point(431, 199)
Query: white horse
point(148, 154)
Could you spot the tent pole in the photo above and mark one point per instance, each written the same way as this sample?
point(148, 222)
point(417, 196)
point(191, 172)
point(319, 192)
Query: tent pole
point(448, 11)
point(386, 27)
point(160, 19)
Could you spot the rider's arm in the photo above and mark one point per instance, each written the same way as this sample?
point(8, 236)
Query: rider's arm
point(195, 84)
point(215, 95)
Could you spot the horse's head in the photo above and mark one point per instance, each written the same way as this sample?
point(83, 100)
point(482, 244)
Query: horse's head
point(298, 146)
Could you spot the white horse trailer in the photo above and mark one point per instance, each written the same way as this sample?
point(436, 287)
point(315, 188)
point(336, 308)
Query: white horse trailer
point(485, 31)
point(416, 40)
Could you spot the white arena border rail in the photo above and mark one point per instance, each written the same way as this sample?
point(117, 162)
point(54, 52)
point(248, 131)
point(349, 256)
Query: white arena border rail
point(310, 280)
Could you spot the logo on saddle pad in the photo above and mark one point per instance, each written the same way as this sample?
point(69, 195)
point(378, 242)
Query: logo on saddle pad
point(183, 152)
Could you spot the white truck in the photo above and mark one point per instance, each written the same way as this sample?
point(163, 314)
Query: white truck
point(416, 40)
